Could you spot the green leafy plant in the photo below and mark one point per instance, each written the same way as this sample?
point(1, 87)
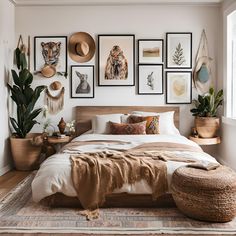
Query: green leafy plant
point(208, 104)
point(24, 96)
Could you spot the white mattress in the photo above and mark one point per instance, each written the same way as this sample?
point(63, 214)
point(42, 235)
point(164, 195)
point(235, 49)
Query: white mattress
point(54, 174)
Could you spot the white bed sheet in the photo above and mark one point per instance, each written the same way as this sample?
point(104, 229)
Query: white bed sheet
point(54, 174)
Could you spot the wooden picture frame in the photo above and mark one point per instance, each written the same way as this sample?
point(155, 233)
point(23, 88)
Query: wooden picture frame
point(150, 79)
point(59, 53)
point(82, 81)
point(178, 87)
point(150, 51)
point(113, 71)
point(178, 50)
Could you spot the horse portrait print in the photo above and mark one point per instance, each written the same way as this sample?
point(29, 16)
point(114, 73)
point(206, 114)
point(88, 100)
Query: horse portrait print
point(117, 65)
point(116, 60)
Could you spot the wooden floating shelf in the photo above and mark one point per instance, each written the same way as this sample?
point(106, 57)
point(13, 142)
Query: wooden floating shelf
point(205, 141)
point(58, 140)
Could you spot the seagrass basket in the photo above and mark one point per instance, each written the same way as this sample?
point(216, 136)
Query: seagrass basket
point(205, 195)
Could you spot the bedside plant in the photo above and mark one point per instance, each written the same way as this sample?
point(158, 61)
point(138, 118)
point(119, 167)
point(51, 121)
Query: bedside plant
point(205, 113)
point(24, 154)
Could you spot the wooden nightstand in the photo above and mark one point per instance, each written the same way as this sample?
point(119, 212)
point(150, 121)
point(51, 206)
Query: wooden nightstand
point(205, 141)
point(56, 143)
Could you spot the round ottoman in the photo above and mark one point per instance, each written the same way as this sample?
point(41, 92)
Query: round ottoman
point(205, 195)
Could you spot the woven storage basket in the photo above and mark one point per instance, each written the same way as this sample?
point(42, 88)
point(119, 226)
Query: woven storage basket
point(205, 195)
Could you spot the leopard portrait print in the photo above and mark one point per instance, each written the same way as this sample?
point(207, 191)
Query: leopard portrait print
point(51, 52)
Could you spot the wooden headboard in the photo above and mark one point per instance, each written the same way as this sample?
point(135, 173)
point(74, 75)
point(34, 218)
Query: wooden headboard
point(84, 114)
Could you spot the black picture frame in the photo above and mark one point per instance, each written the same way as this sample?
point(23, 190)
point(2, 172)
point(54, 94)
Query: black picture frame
point(176, 37)
point(73, 84)
point(36, 68)
point(101, 61)
point(178, 87)
point(151, 68)
point(151, 40)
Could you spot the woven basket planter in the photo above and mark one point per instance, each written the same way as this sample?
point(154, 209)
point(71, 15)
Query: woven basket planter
point(205, 195)
point(25, 154)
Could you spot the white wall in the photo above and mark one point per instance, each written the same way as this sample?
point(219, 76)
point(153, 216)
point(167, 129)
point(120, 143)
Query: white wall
point(226, 150)
point(143, 21)
point(7, 43)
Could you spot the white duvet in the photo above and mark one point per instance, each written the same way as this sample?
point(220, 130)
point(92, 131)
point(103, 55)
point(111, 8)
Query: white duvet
point(54, 174)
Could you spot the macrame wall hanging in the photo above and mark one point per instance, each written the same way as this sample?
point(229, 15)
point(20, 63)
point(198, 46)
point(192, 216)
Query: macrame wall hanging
point(24, 50)
point(54, 103)
point(202, 71)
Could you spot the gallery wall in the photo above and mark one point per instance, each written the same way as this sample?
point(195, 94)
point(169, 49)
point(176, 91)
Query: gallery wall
point(146, 22)
point(7, 42)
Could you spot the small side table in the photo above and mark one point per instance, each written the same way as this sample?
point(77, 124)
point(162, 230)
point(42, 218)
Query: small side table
point(56, 143)
point(205, 141)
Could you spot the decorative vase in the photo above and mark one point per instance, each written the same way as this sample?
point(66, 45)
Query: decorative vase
point(62, 126)
point(207, 127)
point(25, 154)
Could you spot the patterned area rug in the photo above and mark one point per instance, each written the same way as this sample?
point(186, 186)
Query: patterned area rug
point(19, 214)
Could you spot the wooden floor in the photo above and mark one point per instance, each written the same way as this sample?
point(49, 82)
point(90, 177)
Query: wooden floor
point(12, 178)
point(115, 234)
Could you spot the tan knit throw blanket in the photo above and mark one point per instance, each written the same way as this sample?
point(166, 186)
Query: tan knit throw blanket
point(95, 175)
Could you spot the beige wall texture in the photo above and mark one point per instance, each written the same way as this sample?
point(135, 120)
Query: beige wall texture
point(7, 43)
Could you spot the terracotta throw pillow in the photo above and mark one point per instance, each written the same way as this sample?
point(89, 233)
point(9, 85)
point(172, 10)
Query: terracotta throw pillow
point(137, 128)
point(152, 125)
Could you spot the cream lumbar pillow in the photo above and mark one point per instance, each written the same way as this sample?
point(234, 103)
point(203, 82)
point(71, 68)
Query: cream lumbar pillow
point(100, 123)
point(166, 121)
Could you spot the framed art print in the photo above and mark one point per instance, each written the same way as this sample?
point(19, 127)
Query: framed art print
point(116, 61)
point(82, 81)
point(150, 79)
point(150, 51)
point(178, 87)
point(178, 50)
point(50, 50)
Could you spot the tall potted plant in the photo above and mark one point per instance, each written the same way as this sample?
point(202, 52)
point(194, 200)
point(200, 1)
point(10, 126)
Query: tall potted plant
point(24, 153)
point(205, 112)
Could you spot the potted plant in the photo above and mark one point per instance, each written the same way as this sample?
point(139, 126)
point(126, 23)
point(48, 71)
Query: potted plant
point(24, 153)
point(205, 112)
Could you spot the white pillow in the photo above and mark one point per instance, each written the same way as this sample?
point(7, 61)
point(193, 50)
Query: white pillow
point(166, 122)
point(100, 122)
point(124, 118)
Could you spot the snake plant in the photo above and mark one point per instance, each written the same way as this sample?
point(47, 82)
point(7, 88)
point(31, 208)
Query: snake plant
point(24, 97)
point(208, 104)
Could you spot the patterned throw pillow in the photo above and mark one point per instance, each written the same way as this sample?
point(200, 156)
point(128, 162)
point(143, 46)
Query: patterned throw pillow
point(137, 128)
point(152, 125)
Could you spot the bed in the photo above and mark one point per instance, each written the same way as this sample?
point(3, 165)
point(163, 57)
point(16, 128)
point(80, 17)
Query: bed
point(53, 183)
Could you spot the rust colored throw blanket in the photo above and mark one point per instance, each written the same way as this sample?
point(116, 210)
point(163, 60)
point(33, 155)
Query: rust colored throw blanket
point(95, 175)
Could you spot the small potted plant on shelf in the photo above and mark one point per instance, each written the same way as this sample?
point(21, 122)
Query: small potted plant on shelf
point(24, 153)
point(205, 112)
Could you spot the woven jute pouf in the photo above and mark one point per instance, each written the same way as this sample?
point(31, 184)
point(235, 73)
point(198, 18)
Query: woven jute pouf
point(205, 195)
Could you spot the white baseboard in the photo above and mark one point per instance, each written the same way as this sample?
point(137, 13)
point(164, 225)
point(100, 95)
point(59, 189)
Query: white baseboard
point(5, 169)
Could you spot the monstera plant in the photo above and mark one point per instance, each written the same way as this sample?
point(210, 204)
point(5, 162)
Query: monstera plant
point(205, 112)
point(24, 153)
